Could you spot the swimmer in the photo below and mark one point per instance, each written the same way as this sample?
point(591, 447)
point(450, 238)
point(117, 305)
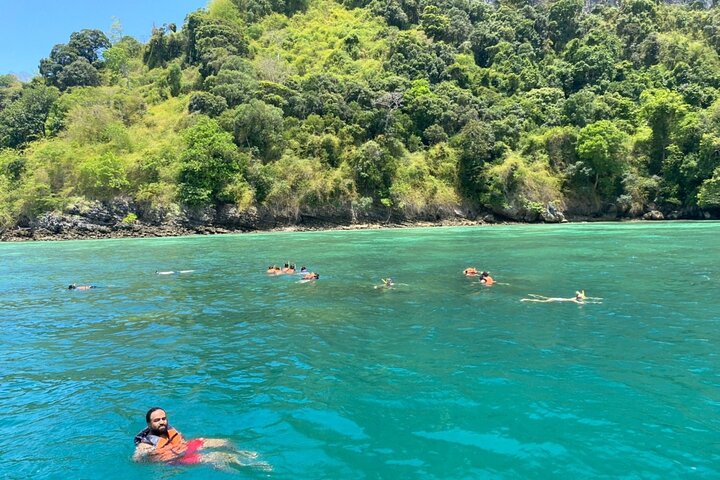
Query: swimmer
point(579, 298)
point(309, 277)
point(73, 286)
point(486, 279)
point(160, 442)
point(388, 284)
point(470, 272)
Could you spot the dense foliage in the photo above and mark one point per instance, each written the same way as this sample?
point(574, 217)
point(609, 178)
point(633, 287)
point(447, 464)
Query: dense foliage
point(413, 106)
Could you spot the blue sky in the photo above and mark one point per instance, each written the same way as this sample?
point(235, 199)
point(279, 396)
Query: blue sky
point(30, 28)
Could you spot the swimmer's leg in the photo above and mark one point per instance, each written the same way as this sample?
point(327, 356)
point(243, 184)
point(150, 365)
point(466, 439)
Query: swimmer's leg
point(224, 443)
point(223, 460)
point(216, 443)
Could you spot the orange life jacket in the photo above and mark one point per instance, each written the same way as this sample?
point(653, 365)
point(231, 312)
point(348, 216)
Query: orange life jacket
point(170, 448)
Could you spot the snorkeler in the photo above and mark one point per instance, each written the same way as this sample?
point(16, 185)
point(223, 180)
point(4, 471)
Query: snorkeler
point(388, 283)
point(288, 268)
point(160, 442)
point(311, 276)
point(470, 272)
point(486, 279)
point(579, 298)
point(73, 286)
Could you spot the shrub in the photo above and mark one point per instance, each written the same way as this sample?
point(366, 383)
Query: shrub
point(103, 176)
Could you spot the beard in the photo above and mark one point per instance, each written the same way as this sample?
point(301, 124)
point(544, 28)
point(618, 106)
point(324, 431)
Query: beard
point(161, 430)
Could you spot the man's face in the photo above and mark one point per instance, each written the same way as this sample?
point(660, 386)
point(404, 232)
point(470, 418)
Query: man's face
point(158, 422)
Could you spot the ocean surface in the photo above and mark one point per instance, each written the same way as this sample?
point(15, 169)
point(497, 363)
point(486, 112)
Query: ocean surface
point(439, 378)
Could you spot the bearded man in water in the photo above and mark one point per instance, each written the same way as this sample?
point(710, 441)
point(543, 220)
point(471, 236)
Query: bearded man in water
point(160, 442)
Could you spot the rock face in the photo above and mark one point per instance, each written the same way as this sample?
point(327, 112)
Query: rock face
point(122, 217)
point(654, 215)
point(548, 214)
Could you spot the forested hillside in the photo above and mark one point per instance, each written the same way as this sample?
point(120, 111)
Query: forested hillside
point(408, 109)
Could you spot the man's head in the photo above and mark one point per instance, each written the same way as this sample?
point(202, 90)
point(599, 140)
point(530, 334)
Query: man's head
point(157, 421)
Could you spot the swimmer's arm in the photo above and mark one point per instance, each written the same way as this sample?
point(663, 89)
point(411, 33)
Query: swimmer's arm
point(142, 452)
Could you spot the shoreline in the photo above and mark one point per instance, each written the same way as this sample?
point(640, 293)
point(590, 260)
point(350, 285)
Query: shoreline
point(28, 234)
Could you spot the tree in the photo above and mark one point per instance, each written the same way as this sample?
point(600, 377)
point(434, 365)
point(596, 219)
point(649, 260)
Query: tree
point(601, 146)
point(174, 79)
point(207, 103)
point(119, 58)
point(79, 74)
point(80, 57)
point(709, 194)
point(89, 44)
point(24, 120)
point(563, 21)
point(103, 177)
point(211, 40)
point(476, 145)
point(61, 56)
point(373, 168)
point(209, 163)
point(663, 110)
point(162, 48)
point(434, 22)
point(258, 127)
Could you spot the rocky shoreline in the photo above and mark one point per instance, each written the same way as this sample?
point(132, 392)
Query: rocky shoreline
point(121, 218)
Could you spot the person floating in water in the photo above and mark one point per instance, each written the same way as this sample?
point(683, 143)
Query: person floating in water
point(579, 298)
point(74, 286)
point(470, 272)
point(387, 283)
point(160, 442)
point(288, 268)
point(311, 276)
point(486, 279)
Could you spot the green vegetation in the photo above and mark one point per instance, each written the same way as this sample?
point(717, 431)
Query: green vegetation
point(406, 107)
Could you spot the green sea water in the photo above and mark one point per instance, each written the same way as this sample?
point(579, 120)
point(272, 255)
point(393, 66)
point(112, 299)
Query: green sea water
point(440, 378)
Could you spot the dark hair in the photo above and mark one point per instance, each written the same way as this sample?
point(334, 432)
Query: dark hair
point(150, 412)
point(72, 286)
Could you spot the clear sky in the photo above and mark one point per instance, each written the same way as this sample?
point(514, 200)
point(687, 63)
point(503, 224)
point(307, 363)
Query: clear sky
point(30, 28)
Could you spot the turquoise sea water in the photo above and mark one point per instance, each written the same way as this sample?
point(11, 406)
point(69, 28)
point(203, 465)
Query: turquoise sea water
point(441, 378)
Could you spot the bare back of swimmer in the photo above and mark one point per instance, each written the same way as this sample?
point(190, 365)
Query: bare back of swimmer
point(552, 299)
point(579, 298)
